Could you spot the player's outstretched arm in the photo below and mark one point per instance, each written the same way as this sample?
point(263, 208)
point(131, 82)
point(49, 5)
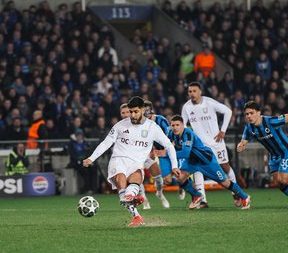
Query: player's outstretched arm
point(102, 147)
point(242, 145)
point(286, 118)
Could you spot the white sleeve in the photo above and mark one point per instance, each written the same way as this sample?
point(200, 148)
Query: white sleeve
point(223, 109)
point(172, 155)
point(105, 144)
point(184, 115)
point(162, 139)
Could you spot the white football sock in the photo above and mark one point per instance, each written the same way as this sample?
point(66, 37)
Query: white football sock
point(158, 182)
point(121, 194)
point(199, 184)
point(132, 189)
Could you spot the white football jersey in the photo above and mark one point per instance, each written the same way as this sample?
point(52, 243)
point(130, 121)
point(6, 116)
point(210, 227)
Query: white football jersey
point(134, 141)
point(203, 118)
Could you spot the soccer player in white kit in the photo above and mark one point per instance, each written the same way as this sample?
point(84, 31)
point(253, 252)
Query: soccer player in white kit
point(201, 112)
point(133, 138)
point(125, 113)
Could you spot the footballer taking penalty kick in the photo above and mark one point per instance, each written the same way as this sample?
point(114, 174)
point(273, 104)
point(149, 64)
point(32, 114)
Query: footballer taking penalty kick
point(133, 138)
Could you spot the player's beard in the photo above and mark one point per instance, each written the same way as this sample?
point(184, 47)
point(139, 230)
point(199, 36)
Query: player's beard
point(137, 121)
point(194, 100)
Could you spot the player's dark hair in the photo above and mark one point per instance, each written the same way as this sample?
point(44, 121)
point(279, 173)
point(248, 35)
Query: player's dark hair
point(125, 105)
point(197, 84)
point(252, 105)
point(177, 118)
point(136, 102)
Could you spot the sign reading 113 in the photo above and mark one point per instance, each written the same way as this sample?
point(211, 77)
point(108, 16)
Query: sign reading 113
point(121, 12)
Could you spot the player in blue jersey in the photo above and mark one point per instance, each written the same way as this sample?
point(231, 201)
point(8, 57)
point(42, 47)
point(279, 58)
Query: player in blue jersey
point(267, 130)
point(193, 156)
point(164, 162)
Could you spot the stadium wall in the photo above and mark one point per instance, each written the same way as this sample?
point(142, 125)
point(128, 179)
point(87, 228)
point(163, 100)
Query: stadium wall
point(20, 4)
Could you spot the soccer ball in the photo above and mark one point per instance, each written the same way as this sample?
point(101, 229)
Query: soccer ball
point(88, 206)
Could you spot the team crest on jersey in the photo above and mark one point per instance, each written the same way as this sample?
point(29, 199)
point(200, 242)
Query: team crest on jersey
point(126, 131)
point(192, 113)
point(112, 131)
point(280, 117)
point(205, 109)
point(267, 130)
point(144, 133)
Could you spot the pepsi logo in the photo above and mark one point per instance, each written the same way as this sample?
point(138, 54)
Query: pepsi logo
point(40, 184)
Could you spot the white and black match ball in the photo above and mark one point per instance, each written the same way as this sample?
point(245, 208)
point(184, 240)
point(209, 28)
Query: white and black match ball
point(88, 206)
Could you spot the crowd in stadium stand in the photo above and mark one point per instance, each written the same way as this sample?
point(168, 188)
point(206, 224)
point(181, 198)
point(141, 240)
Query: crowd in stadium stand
point(62, 63)
point(254, 43)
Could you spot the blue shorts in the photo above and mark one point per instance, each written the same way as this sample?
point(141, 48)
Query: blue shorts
point(279, 164)
point(165, 166)
point(212, 170)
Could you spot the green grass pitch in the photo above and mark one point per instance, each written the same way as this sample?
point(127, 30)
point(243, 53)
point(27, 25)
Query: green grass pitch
point(52, 224)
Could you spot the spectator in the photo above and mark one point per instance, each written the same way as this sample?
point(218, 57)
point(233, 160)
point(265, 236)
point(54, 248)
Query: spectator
point(106, 62)
point(101, 88)
point(183, 12)
point(162, 57)
point(167, 8)
point(76, 125)
point(205, 61)
point(133, 82)
point(65, 122)
point(16, 130)
point(78, 150)
point(227, 85)
point(150, 42)
point(37, 130)
point(186, 60)
point(52, 131)
point(108, 49)
point(263, 67)
point(17, 162)
point(100, 130)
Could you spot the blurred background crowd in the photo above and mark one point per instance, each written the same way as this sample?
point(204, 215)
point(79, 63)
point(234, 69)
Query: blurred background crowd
point(65, 65)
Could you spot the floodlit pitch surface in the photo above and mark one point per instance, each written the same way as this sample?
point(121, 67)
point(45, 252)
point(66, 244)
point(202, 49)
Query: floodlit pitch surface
point(52, 224)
